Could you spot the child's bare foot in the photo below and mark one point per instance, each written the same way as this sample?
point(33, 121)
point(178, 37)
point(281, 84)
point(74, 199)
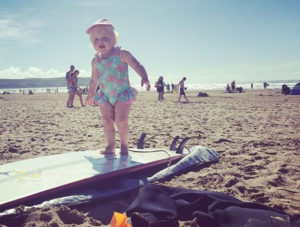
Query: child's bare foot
point(124, 150)
point(108, 150)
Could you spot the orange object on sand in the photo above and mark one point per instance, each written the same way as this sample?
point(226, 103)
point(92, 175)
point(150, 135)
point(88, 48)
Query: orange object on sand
point(119, 220)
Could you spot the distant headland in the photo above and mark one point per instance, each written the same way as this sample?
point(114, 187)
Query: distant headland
point(39, 82)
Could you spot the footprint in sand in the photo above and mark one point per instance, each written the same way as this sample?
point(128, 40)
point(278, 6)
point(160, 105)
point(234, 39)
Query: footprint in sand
point(223, 141)
point(251, 169)
point(260, 197)
point(278, 181)
point(13, 149)
point(283, 170)
point(231, 182)
point(241, 189)
point(271, 153)
point(257, 157)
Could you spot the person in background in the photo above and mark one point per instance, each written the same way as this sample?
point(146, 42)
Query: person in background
point(265, 85)
point(233, 86)
point(69, 81)
point(75, 89)
point(182, 88)
point(168, 87)
point(228, 88)
point(160, 85)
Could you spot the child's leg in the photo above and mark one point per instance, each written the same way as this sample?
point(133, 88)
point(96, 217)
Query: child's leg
point(80, 98)
point(71, 99)
point(121, 118)
point(68, 101)
point(108, 117)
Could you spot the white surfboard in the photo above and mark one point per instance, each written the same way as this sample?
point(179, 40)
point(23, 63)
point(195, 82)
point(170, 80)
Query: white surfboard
point(33, 178)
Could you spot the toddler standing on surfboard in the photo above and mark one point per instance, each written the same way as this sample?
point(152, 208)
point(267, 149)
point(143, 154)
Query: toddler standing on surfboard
point(110, 75)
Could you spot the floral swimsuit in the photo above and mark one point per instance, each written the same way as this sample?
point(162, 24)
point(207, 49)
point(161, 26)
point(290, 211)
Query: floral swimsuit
point(113, 81)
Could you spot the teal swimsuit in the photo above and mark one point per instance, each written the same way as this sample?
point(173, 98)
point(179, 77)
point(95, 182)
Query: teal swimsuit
point(113, 81)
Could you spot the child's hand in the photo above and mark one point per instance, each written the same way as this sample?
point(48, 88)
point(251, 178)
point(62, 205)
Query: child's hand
point(88, 101)
point(148, 86)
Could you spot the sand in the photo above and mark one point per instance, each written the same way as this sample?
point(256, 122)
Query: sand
point(257, 134)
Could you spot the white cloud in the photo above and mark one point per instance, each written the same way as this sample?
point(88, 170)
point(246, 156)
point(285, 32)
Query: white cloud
point(31, 72)
point(34, 72)
point(19, 28)
point(84, 73)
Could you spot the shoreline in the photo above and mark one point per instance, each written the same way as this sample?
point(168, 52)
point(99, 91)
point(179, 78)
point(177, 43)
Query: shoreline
point(246, 85)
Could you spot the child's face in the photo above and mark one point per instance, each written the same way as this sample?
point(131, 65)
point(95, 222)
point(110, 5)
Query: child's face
point(102, 39)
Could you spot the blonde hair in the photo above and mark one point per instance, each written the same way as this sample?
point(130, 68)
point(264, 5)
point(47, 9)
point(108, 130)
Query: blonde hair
point(116, 37)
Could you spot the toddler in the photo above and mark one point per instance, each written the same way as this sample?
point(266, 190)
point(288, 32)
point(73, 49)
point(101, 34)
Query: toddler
point(109, 85)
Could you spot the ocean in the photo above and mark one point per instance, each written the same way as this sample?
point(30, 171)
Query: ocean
point(276, 84)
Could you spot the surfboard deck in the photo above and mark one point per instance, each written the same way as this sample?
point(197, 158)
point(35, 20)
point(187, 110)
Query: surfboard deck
point(25, 180)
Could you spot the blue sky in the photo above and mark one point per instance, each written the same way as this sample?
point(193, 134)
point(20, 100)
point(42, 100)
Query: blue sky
point(206, 41)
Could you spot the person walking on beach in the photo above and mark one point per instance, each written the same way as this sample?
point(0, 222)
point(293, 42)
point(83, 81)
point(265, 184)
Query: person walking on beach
point(168, 87)
point(233, 86)
point(75, 89)
point(182, 88)
point(110, 74)
point(160, 85)
point(228, 88)
point(265, 85)
point(69, 81)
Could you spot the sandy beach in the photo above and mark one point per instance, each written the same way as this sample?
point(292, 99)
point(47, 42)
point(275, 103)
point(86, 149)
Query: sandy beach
point(257, 134)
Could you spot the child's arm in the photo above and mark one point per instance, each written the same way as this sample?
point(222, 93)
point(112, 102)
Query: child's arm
point(127, 57)
point(92, 86)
